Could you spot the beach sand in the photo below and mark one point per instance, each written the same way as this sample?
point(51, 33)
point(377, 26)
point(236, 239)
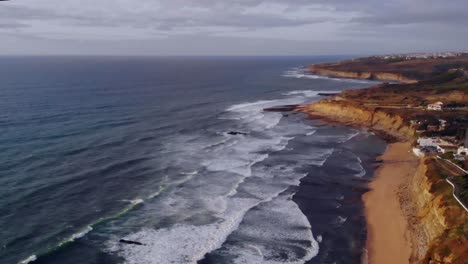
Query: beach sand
point(388, 239)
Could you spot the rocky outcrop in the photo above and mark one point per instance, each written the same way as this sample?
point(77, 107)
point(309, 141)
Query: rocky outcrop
point(351, 113)
point(383, 76)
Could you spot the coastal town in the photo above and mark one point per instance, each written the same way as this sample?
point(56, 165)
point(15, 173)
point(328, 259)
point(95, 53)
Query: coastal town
point(425, 55)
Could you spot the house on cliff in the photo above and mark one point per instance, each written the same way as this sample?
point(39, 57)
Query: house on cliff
point(438, 106)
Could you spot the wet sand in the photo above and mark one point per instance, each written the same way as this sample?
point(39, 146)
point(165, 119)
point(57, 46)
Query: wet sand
point(388, 238)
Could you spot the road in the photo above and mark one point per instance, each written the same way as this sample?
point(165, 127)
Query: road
point(450, 168)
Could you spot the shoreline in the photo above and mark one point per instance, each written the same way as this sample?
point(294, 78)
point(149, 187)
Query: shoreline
point(388, 232)
point(389, 237)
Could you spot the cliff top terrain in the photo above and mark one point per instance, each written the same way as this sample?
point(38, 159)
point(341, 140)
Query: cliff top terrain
point(408, 66)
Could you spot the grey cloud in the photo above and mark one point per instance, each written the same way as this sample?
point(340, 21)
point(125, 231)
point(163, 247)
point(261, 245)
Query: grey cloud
point(218, 13)
point(314, 23)
point(12, 25)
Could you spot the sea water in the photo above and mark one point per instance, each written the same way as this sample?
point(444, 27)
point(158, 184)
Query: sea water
point(99, 149)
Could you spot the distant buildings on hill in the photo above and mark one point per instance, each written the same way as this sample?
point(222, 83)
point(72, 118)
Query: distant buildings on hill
point(428, 55)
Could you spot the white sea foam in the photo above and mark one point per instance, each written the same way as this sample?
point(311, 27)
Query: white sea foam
point(137, 201)
point(77, 235)
point(157, 193)
point(193, 242)
point(190, 173)
point(319, 238)
point(341, 219)
point(255, 118)
point(306, 93)
point(351, 136)
point(285, 241)
point(356, 166)
point(29, 259)
point(222, 183)
point(252, 105)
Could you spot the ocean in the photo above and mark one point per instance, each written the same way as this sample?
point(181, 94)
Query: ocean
point(173, 160)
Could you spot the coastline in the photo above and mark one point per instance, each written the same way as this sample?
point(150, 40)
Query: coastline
point(388, 233)
point(410, 213)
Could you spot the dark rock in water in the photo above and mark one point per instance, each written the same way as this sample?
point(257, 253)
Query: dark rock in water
point(235, 133)
point(281, 108)
point(131, 242)
point(328, 94)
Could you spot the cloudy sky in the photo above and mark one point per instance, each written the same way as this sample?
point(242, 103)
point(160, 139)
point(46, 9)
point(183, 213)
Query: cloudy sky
point(232, 27)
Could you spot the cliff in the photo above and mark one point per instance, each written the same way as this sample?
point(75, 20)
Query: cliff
point(372, 118)
point(367, 75)
point(438, 224)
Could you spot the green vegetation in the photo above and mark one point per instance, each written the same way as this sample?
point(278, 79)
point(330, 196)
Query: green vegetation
point(447, 155)
point(462, 183)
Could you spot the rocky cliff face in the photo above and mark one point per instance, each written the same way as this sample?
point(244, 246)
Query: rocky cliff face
point(438, 223)
point(374, 119)
point(384, 76)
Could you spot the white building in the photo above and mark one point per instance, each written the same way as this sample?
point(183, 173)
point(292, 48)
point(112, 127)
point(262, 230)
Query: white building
point(430, 142)
point(463, 151)
point(441, 145)
point(435, 106)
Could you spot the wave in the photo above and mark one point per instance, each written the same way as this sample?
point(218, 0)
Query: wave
point(340, 220)
point(251, 114)
point(75, 236)
point(29, 259)
point(306, 93)
point(190, 173)
point(84, 231)
point(276, 227)
point(193, 242)
point(225, 181)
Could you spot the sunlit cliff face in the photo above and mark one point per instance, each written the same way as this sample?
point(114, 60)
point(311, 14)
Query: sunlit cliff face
point(232, 27)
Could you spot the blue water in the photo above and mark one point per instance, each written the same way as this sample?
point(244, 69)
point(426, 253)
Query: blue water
point(96, 149)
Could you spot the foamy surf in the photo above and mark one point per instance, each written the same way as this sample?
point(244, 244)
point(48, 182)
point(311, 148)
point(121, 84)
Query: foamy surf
point(193, 242)
point(292, 243)
point(29, 259)
point(306, 93)
point(228, 191)
point(77, 235)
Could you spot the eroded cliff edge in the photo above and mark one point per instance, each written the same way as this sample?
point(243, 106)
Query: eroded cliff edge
point(404, 68)
point(367, 75)
point(352, 113)
point(438, 225)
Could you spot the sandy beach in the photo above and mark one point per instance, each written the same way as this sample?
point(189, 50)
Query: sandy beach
point(388, 239)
